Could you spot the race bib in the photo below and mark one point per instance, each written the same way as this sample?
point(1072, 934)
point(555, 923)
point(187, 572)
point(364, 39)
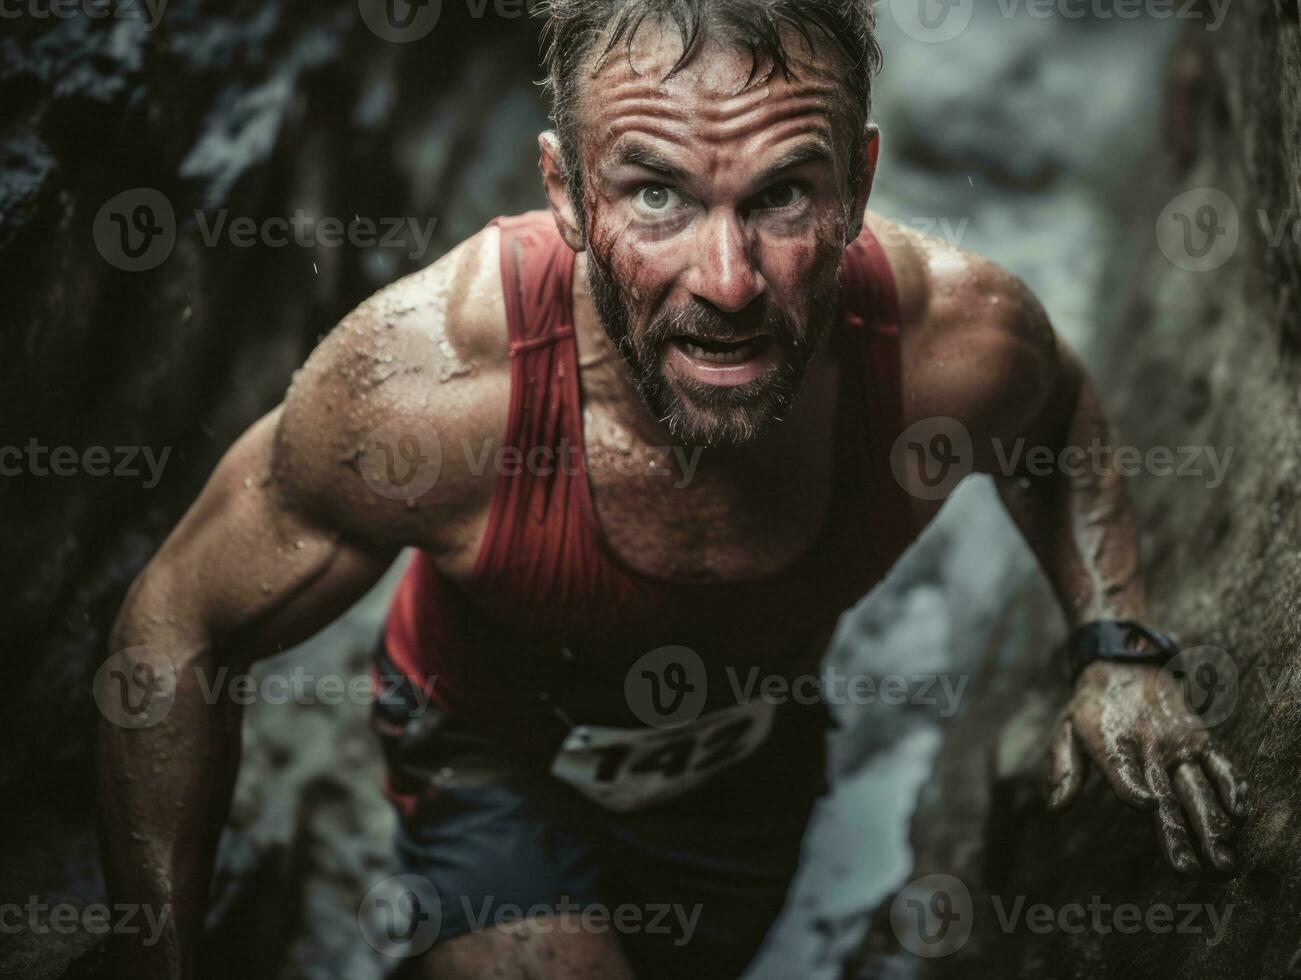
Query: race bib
point(629, 768)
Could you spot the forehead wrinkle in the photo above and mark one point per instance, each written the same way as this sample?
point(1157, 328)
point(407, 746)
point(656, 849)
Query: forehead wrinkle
point(813, 117)
point(801, 92)
point(638, 110)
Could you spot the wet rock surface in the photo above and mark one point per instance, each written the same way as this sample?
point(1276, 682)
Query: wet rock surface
point(1199, 351)
point(261, 111)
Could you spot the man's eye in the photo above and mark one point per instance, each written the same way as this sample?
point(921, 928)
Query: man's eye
point(657, 197)
point(780, 196)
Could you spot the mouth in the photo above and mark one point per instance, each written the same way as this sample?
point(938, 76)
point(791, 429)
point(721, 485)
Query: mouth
point(722, 362)
point(722, 351)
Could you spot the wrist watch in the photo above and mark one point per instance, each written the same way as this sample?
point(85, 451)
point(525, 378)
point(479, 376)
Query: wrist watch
point(1121, 640)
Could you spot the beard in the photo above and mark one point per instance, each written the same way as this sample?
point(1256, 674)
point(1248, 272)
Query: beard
point(697, 413)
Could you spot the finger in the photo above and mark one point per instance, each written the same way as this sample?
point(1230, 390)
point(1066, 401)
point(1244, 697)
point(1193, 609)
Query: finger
point(1067, 768)
point(1171, 830)
point(1211, 824)
point(1126, 777)
point(1232, 787)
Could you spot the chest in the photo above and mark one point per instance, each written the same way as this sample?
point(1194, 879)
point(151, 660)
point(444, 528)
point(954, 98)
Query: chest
point(666, 512)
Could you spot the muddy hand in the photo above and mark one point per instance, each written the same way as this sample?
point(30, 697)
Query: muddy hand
point(1119, 717)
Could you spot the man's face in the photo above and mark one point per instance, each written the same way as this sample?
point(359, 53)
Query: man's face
point(716, 220)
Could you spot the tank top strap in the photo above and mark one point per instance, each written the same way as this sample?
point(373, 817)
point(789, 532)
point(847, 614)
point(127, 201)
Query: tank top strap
point(871, 320)
point(536, 502)
point(536, 278)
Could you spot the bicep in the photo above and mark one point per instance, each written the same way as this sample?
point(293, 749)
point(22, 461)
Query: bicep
point(247, 567)
point(992, 362)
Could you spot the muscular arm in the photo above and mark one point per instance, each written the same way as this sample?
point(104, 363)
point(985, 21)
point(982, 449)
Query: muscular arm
point(983, 353)
point(245, 574)
point(298, 520)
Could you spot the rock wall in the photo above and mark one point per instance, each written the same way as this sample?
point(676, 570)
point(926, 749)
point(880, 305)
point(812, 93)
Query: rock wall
point(1198, 350)
point(264, 110)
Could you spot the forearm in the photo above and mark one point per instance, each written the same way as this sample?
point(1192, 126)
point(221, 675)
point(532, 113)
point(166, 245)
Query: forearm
point(1079, 521)
point(164, 792)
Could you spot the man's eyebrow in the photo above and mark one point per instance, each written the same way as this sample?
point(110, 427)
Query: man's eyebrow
point(633, 154)
point(641, 155)
point(815, 152)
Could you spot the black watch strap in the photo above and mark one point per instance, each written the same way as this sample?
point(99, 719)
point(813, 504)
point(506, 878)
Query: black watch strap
point(1117, 639)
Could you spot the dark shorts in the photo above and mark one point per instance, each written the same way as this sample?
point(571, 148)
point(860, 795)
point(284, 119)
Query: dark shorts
point(689, 885)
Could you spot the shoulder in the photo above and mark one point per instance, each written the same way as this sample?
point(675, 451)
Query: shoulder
point(976, 343)
point(419, 368)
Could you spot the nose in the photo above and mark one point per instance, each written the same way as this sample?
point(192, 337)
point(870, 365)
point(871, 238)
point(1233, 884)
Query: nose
point(724, 273)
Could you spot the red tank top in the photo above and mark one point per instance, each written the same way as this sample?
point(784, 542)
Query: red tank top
point(552, 619)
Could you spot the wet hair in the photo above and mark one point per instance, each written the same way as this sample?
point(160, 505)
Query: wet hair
point(575, 29)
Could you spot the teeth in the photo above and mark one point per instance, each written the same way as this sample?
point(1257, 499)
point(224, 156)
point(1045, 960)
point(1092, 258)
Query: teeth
point(737, 356)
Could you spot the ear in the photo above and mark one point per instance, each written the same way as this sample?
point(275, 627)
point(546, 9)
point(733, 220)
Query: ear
point(551, 163)
point(873, 153)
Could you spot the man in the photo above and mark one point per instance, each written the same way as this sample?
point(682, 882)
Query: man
point(645, 444)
